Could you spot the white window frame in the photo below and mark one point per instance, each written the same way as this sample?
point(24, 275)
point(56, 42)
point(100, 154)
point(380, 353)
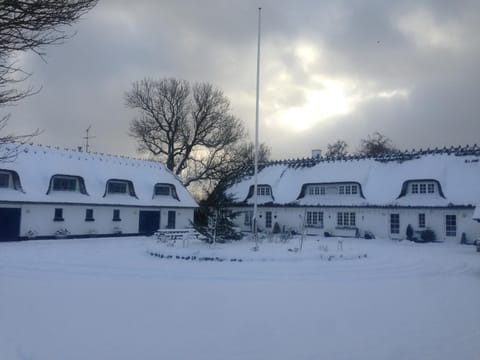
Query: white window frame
point(450, 225)
point(421, 221)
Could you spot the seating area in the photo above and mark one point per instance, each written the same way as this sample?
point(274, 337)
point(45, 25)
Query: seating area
point(171, 236)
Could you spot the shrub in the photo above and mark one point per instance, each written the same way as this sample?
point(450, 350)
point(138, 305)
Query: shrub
point(427, 235)
point(464, 239)
point(276, 228)
point(327, 234)
point(409, 232)
point(369, 235)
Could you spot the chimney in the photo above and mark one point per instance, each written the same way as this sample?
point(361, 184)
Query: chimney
point(316, 154)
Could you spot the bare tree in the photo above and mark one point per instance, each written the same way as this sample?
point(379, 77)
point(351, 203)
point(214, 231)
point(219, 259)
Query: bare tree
point(376, 144)
point(30, 25)
point(190, 127)
point(337, 150)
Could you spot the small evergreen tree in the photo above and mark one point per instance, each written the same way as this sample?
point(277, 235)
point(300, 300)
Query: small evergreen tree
point(213, 220)
point(409, 232)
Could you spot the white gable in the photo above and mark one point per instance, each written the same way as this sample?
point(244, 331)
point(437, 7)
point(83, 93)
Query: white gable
point(36, 165)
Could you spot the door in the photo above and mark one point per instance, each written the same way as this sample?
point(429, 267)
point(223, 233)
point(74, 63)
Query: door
point(171, 224)
point(149, 222)
point(9, 224)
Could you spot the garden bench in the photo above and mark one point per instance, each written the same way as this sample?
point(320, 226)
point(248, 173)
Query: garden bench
point(171, 236)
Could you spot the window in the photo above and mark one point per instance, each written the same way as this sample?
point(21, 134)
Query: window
point(316, 190)
point(423, 187)
point(421, 221)
point(89, 215)
point(58, 214)
point(117, 187)
point(347, 189)
point(395, 223)
point(451, 225)
point(61, 183)
point(163, 190)
point(341, 189)
point(171, 220)
point(116, 215)
point(247, 220)
point(346, 219)
point(263, 190)
point(268, 219)
point(315, 218)
point(354, 189)
point(352, 219)
point(4, 180)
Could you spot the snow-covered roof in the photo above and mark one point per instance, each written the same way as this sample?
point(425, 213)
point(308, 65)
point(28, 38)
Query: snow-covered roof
point(36, 165)
point(476, 213)
point(456, 171)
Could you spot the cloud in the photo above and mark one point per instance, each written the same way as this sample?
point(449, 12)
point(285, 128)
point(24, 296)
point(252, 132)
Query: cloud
point(329, 70)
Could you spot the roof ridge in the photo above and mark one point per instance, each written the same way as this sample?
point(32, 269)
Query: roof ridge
point(397, 155)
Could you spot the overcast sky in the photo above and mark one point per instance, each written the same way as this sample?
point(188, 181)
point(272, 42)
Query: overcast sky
point(330, 70)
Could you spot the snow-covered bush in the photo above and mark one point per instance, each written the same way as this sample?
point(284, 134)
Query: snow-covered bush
point(276, 228)
point(409, 232)
point(427, 235)
point(369, 235)
point(31, 234)
point(63, 232)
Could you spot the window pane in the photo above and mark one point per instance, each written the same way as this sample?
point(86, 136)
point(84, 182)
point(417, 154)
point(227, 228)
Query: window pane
point(340, 219)
point(451, 225)
point(116, 215)
point(394, 223)
point(162, 190)
point(58, 215)
point(268, 219)
point(352, 219)
point(421, 220)
point(116, 187)
point(4, 180)
point(64, 184)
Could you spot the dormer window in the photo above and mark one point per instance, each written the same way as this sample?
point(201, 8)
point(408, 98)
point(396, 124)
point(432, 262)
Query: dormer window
point(330, 189)
point(67, 183)
point(348, 189)
point(9, 179)
point(61, 183)
point(165, 190)
point(119, 186)
point(264, 190)
point(421, 187)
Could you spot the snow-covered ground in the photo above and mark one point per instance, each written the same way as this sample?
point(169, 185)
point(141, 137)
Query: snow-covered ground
point(110, 299)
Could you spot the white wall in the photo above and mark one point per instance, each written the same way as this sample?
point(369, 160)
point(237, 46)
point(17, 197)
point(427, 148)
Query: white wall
point(40, 219)
point(375, 220)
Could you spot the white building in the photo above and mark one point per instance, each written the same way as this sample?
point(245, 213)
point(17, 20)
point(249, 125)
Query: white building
point(432, 189)
point(46, 191)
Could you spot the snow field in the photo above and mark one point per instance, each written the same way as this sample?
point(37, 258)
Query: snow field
point(110, 299)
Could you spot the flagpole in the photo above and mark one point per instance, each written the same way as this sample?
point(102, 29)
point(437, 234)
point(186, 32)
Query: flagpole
point(255, 187)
